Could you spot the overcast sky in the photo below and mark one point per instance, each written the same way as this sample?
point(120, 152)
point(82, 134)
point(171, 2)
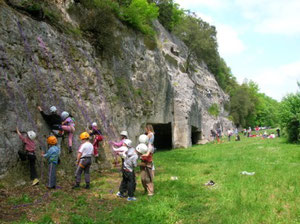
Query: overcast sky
point(259, 40)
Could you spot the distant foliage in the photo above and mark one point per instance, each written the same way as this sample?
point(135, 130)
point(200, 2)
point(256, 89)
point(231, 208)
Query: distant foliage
point(249, 107)
point(290, 116)
point(140, 14)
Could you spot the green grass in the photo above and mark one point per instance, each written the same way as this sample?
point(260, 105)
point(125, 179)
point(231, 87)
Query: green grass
point(272, 195)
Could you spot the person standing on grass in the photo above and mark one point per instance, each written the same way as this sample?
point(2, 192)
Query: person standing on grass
point(229, 133)
point(29, 153)
point(52, 155)
point(84, 160)
point(128, 183)
point(219, 135)
point(249, 132)
point(278, 132)
point(146, 166)
point(213, 134)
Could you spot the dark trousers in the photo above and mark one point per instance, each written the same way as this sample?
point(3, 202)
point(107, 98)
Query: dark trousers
point(52, 175)
point(31, 159)
point(84, 165)
point(128, 183)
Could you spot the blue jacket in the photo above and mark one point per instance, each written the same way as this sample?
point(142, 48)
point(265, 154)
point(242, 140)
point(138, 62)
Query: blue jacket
point(53, 154)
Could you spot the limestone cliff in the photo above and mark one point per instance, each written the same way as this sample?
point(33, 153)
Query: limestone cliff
point(41, 66)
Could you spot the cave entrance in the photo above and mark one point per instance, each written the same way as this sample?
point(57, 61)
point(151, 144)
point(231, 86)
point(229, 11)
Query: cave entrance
point(196, 135)
point(163, 136)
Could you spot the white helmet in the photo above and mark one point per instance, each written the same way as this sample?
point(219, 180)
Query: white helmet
point(31, 135)
point(125, 133)
point(53, 109)
point(64, 115)
point(128, 142)
point(142, 148)
point(143, 139)
point(94, 124)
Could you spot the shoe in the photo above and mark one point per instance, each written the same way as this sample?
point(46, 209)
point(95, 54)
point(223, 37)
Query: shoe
point(76, 186)
point(35, 181)
point(54, 187)
point(131, 199)
point(87, 186)
point(120, 195)
point(70, 149)
point(210, 183)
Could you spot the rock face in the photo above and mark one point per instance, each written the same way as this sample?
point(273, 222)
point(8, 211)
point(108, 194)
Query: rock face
point(41, 66)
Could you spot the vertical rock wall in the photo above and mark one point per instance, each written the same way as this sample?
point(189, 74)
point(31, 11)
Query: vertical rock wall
point(142, 84)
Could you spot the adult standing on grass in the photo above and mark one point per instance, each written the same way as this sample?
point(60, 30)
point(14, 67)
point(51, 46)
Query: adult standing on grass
point(146, 166)
point(219, 135)
point(84, 160)
point(278, 132)
point(249, 132)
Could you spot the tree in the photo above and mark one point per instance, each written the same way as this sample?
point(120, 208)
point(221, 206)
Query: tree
point(290, 116)
point(200, 39)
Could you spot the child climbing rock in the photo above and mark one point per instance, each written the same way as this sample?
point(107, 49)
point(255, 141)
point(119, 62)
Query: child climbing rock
point(54, 122)
point(30, 153)
point(97, 138)
point(52, 155)
point(84, 160)
point(68, 125)
point(128, 183)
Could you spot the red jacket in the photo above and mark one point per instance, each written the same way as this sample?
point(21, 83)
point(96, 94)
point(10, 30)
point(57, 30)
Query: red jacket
point(29, 144)
point(98, 138)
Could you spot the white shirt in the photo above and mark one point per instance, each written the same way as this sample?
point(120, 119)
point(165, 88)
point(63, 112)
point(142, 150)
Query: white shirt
point(86, 149)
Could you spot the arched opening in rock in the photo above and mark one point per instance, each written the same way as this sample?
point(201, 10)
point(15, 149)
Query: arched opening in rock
point(163, 136)
point(196, 135)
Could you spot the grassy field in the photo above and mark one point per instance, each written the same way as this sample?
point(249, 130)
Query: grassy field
point(272, 195)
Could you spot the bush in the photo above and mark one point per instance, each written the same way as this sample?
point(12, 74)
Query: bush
point(290, 116)
point(97, 20)
point(139, 14)
point(214, 110)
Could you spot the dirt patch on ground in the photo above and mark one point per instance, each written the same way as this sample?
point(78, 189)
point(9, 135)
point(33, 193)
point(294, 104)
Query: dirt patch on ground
point(28, 202)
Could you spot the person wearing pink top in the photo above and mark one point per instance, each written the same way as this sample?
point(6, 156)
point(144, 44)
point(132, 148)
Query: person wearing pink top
point(29, 153)
point(124, 135)
point(68, 125)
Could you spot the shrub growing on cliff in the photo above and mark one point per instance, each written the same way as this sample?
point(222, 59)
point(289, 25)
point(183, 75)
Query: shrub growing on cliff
point(96, 19)
point(140, 14)
point(214, 110)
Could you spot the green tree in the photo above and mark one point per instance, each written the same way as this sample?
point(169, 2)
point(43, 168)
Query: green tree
point(200, 39)
point(170, 13)
point(290, 116)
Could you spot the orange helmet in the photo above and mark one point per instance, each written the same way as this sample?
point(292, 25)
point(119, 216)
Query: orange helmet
point(84, 135)
point(52, 140)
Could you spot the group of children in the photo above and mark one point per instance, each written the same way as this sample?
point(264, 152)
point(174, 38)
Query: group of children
point(130, 155)
point(64, 123)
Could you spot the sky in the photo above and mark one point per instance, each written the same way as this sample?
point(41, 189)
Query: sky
point(259, 40)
